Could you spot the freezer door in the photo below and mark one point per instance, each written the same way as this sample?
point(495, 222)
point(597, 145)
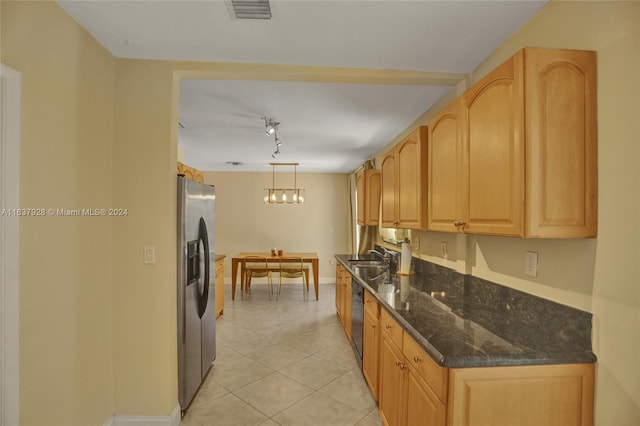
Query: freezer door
point(206, 306)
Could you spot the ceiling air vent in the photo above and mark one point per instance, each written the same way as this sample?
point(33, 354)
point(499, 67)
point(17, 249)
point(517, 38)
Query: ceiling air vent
point(251, 9)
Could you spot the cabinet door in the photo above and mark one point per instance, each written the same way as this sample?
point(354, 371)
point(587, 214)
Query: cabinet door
point(371, 350)
point(561, 130)
point(494, 146)
point(423, 406)
point(372, 208)
point(388, 190)
point(445, 169)
point(391, 382)
point(522, 395)
point(361, 196)
point(410, 166)
point(339, 290)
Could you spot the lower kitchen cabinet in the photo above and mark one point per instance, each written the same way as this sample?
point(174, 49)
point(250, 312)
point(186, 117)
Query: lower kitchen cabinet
point(371, 343)
point(412, 389)
point(526, 395)
point(391, 382)
point(219, 285)
point(407, 397)
point(343, 298)
point(423, 406)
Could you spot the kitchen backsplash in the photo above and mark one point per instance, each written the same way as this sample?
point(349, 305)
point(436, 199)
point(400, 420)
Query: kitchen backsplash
point(472, 297)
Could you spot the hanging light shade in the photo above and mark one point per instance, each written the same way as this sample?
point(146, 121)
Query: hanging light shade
point(293, 195)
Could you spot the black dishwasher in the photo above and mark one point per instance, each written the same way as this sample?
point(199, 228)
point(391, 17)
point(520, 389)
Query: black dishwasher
point(357, 318)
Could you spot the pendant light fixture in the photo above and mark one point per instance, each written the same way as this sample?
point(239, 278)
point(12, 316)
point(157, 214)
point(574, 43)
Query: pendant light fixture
point(293, 195)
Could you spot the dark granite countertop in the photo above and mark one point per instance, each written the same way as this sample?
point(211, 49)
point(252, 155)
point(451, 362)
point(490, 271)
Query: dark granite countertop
point(463, 321)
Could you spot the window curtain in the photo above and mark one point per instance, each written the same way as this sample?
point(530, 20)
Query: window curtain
point(353, 218)
point(367, 235)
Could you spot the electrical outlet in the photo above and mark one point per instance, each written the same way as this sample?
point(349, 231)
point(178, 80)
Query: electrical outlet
point(330, 261)
point(149, 255)
point(443, 249)
point(531, 263)
point(416, 243)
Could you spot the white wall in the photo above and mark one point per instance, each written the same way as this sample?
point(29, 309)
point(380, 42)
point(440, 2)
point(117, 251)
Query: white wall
point(245, 223)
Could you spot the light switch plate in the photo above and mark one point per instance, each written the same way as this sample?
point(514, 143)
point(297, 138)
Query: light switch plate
point(531, 263)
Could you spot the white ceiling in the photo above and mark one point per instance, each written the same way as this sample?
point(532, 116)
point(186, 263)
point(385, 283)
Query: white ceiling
point(326, 127)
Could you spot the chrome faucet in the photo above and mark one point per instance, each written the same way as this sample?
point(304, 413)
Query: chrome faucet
point(384, 257)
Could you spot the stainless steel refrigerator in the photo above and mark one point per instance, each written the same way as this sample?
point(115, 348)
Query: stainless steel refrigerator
point(196, 286)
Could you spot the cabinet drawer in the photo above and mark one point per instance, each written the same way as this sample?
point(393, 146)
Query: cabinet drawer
point(426, 368)
point(391, 328)
point(371, 304)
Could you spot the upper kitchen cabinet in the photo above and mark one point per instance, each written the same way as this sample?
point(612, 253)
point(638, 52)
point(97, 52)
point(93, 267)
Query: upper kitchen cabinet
point(368, 185)
point(562, 143)
point(493, 163)
point(403, 182)
point(445, 170)
point(190, 172)
point(528, 160)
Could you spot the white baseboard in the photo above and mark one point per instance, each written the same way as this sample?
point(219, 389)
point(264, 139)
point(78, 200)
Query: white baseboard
point(171, 420)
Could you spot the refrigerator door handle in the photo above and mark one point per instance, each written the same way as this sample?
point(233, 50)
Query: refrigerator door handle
point(203, 298)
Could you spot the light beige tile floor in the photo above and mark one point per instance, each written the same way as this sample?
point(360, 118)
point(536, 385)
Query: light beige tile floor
point(285, 362)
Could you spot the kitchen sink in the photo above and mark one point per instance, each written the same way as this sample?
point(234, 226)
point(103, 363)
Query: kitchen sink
point(370, 272)
point(367, 263)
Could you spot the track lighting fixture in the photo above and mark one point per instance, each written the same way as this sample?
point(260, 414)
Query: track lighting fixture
point(271, 128)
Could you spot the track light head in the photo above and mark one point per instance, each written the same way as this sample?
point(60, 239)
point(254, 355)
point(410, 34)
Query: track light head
point(270, 126)
point(271, 129)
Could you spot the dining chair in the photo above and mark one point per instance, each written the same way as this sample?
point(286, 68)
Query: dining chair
point(256, 267)
point(293, 267)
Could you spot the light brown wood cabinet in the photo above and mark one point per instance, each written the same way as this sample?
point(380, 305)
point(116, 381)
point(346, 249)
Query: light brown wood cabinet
point(391, 382)
point(446, 189)
point(523, 144)
point(403, 182)
point(524, 395)
point(371, 343)
point(219, 283)
point(190, 172)
point(409, 380)
point(368, 185)
point(343, 298)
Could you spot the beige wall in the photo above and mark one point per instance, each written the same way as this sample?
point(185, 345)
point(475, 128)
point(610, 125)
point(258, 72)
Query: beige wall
point(245, 223)
point(597, 275)
point(66, 376)
point(144, 296)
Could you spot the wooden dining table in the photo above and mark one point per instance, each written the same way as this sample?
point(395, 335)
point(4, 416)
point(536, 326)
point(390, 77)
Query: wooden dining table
point(236, 260)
